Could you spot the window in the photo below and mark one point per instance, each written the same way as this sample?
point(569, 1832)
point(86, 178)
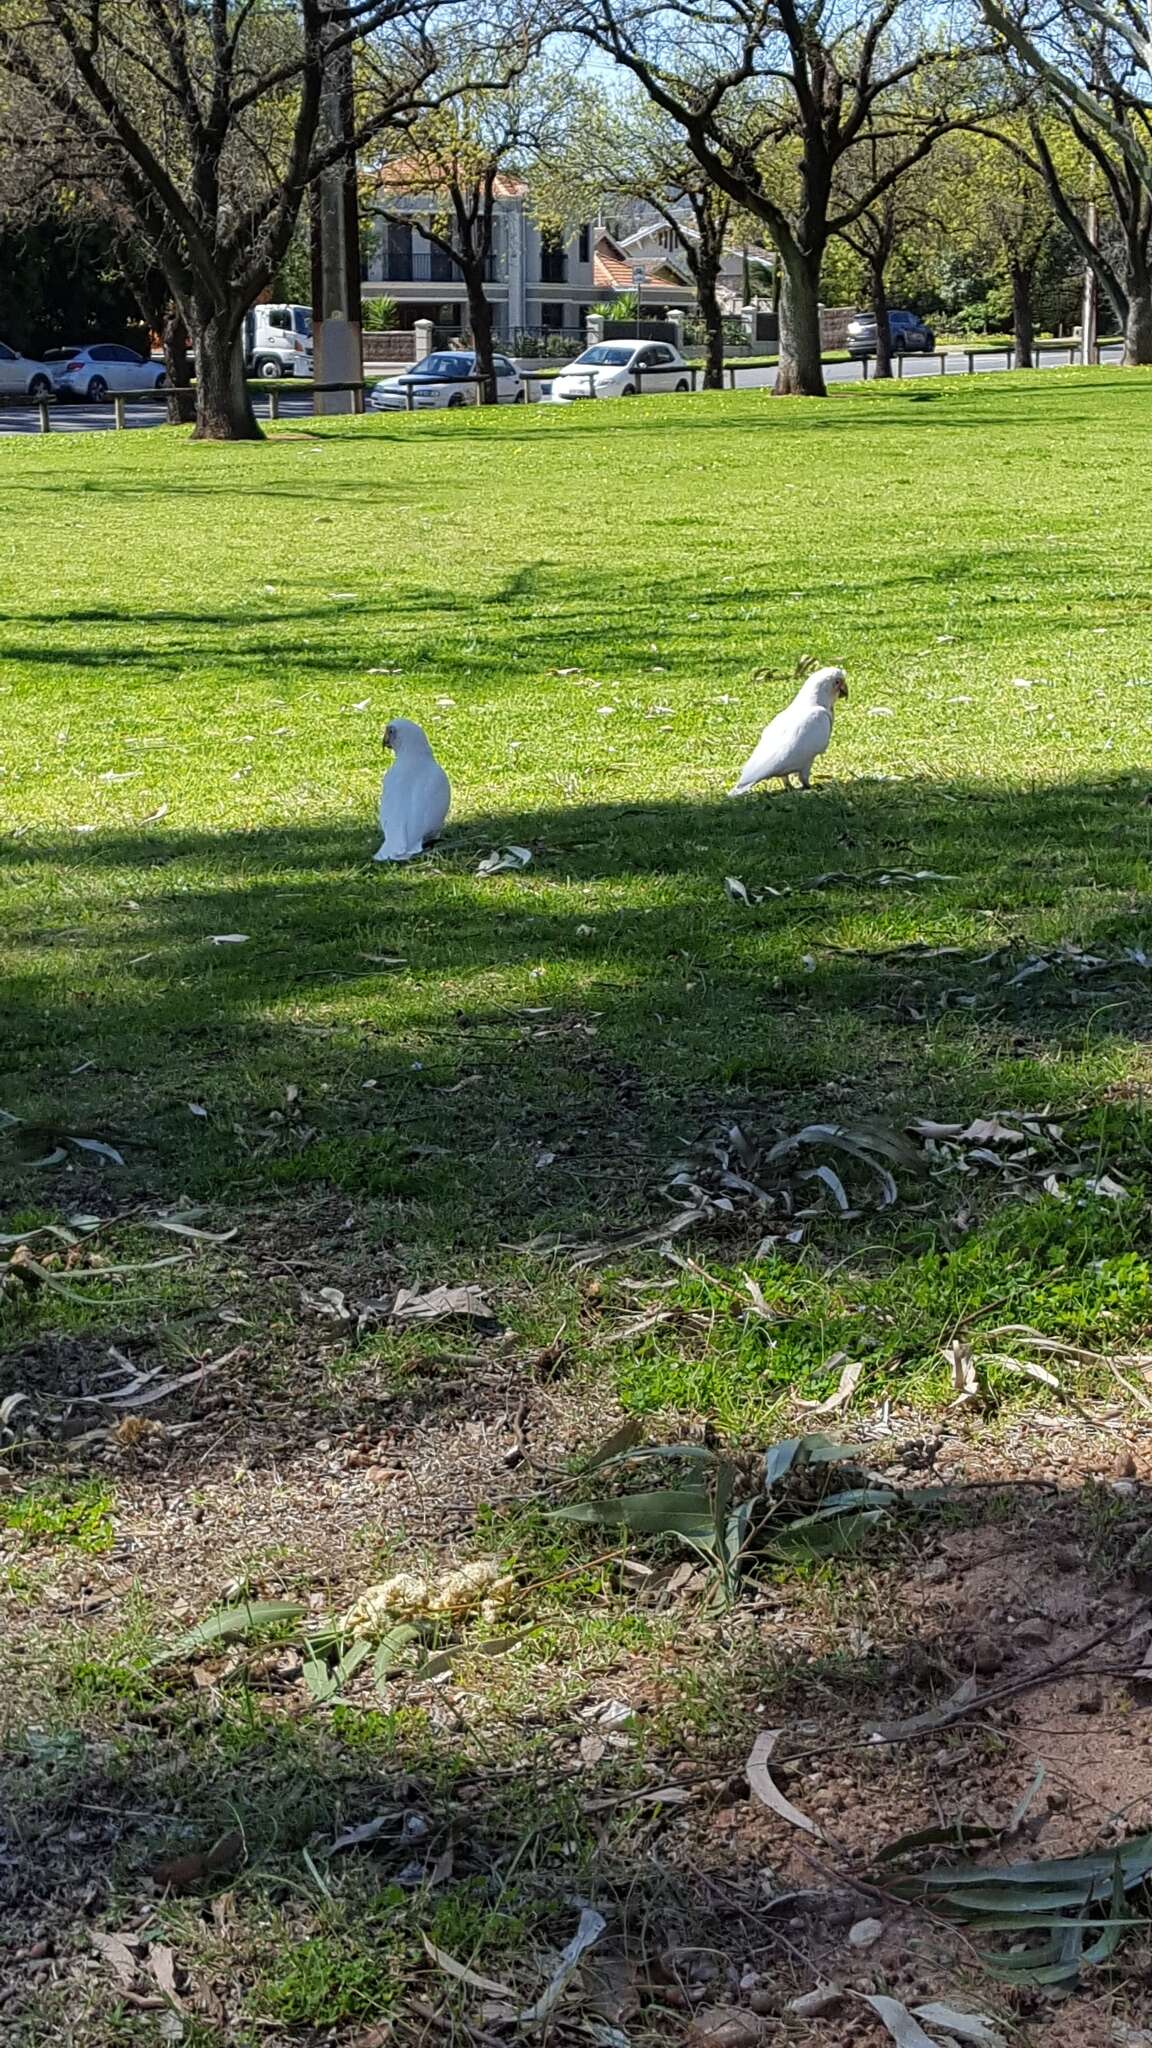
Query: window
point(7, 355)
point(398, 251)
point(551, 315)
point(279, 316)
point(585, 244)
point(553, 264)
point(503, 367)
point(441, 268)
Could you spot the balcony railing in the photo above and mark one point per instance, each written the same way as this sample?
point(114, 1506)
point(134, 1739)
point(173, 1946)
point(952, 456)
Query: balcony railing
point(423, 266)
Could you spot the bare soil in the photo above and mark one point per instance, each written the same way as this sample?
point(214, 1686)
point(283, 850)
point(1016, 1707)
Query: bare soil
point(1020, 1579)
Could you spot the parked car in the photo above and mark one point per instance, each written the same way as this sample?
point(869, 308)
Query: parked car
point(441, 379)
point(620, 369)
point(93, 373)
point(22, 375)
point(907, 332)
point(278, 341)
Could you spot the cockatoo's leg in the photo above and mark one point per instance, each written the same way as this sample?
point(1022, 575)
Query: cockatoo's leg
point(806, 778)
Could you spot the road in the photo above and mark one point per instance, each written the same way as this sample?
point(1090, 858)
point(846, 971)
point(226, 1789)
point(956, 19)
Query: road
point(86, 419)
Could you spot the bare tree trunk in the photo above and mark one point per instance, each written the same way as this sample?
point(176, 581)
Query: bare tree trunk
point(879, 297)
point(480, 322)
point(1138, 325)
point(712, 318)
point(223, 401)
point(178, 369)
point(1022, 320)
point(801, 371)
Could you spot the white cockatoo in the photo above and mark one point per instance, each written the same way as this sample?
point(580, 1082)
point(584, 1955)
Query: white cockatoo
point(791, 743)
point(415, 793)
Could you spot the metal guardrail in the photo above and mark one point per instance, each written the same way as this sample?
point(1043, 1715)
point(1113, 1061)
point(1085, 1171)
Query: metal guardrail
point(1007, 350)
point(161, 393)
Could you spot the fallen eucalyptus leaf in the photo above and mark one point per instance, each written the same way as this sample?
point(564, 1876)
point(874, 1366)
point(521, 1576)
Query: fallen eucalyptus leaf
point(621, 1440)
point(229, 939)
point(162, 1963)
point(181, 1228)
point(831, 1181)
point(368, 1831)
point(764, 1788)
point(896, 2018)
point(964, 2026)
point(233, 1624)
point(463, 1974)
point(115, 1950)
point(591, 1926)
point(846, 1386)
point(965, 1384)
point(98, 1146)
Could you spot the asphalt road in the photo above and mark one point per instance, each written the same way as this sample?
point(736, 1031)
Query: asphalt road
point(86, 419)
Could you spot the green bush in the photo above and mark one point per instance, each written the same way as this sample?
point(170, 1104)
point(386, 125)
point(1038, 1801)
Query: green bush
point(379, 315)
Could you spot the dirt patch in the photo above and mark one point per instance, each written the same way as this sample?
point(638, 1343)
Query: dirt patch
point(628, 1735)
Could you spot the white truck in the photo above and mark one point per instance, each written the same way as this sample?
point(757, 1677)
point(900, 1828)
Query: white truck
point(278, 341)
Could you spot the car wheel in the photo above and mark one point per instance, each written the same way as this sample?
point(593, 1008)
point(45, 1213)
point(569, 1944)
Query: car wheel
point(269, 366)
point(520, 397)
point(40, 387)
point(629, 391)
point(929, 341)
point(682, 385)
point(97, 390)
point(456, 399)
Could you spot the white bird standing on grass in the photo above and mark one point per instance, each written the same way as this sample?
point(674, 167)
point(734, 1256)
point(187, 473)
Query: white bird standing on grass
point(415, 794)
point(796, 736)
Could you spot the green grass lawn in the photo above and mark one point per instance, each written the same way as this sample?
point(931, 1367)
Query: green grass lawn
point(405, 1075)
point(202, 646)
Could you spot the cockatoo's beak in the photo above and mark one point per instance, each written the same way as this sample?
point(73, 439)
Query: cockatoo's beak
point(841, 688)
point(388, 740)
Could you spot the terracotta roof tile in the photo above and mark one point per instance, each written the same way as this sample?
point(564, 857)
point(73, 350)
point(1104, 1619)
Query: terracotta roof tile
point(612, 270)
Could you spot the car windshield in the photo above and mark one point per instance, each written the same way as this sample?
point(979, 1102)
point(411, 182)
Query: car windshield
point(60, 355)
point(453, 363)
point(303, 320)
point(604, 352)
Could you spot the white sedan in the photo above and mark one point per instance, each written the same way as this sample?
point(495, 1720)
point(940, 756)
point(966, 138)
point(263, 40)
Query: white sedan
point(445, 378)
point(21, 376)
point(92, 371)
point(622, 369)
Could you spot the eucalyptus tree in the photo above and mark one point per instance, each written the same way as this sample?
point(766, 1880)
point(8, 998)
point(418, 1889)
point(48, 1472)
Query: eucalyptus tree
point(774, 98)
point(1092, 62)
point(197, 127)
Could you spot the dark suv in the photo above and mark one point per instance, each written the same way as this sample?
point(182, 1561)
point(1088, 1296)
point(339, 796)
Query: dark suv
point(907, 334)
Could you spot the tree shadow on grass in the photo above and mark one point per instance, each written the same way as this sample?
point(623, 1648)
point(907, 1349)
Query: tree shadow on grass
point(414, 1069)
point(624, 920)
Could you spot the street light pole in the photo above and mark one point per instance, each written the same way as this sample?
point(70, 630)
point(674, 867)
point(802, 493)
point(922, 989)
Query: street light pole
point(1090, 304)
point(335, 211)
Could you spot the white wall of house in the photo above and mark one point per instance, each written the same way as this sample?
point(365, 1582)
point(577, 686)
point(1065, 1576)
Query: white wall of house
point(534, 283)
